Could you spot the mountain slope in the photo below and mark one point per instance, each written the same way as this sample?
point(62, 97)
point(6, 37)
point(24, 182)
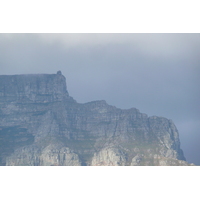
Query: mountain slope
point(40, 124)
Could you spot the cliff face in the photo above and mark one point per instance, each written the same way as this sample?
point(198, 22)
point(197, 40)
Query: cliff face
point(40, 124)
point(41, 88)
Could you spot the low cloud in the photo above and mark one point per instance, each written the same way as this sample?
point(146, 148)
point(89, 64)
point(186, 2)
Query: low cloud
point(156, 45)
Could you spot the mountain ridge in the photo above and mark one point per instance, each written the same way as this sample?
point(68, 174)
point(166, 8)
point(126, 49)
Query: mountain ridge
point(40, 124)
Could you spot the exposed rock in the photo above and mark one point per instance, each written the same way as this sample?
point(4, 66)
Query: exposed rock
point(109, 157)
point(40, 124)
point(136, 160)
point(41, 88)
point(51, 155)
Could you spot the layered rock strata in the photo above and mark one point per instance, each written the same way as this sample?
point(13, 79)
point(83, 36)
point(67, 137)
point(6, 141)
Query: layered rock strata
point(40, 124)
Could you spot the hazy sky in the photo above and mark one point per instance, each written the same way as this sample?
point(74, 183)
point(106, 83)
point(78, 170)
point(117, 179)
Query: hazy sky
point(159, 74)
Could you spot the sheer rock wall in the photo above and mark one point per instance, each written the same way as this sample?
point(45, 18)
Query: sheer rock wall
point(40, 124)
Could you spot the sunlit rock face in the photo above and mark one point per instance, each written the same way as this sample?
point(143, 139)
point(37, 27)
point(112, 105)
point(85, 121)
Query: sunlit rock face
point(40, 124)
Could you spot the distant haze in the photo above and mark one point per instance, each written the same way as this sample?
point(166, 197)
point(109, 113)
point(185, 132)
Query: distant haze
point(159, 74)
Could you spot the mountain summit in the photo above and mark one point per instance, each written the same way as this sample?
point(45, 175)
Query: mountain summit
point(40, 124)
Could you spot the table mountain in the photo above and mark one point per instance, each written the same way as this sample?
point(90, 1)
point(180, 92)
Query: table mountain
point(40, 124)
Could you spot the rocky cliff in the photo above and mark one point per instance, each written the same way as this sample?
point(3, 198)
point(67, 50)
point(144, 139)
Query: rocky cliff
point(40, 124)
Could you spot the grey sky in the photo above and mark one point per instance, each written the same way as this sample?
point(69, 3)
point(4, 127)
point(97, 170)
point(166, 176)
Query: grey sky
point(157, 73)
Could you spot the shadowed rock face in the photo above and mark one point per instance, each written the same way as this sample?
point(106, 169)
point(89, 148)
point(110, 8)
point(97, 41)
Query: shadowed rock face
point(41, 88)
point(40, 124)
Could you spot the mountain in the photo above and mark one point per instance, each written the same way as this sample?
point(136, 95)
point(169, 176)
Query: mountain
point(40, 124)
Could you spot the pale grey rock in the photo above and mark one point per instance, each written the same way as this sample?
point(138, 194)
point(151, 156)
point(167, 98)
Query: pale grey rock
point(25, 156)
point(109, 157)
point(136, 160)
point(40, 88)
point(51, 155)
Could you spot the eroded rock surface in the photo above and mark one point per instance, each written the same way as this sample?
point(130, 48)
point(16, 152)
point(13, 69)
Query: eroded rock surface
point(40, 124)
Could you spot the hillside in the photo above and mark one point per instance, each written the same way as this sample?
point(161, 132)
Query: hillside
point(40, 124)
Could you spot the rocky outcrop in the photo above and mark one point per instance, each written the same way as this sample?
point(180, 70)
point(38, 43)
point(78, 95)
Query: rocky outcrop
point(109, 157)
point(51, 155)
point(40, 124)
point(41, 88)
